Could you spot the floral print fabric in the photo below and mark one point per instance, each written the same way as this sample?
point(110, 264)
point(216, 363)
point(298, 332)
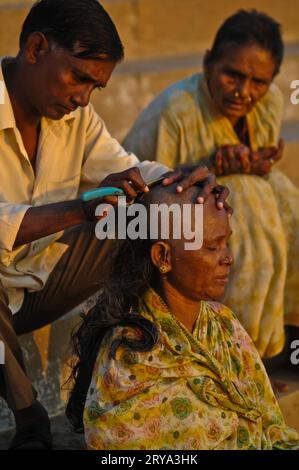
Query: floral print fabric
point(205, 390)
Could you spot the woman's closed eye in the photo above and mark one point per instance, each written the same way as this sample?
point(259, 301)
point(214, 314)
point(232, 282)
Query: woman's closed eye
point(216, 247)
point(211, 248)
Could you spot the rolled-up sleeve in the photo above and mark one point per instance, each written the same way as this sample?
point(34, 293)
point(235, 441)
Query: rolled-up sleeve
point(11, 217)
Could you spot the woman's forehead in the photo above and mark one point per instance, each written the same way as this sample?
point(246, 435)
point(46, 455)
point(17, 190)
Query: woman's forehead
point(247, 56)
point(215, 221)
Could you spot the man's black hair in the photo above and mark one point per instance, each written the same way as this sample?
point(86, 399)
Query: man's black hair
point(249, 27)
point(82, 27)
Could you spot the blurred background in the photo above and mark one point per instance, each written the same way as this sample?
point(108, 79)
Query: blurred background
point(164, 42)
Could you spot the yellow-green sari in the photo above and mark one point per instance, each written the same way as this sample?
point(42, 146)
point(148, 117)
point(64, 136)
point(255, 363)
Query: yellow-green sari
point(205, 390)
point(183, 126)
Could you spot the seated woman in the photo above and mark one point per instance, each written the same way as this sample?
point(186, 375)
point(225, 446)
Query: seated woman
point(177, 370)
point(229, 118)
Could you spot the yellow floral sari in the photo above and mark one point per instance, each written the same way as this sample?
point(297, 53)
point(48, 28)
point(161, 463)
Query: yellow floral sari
point(182, 126)
point(205, 390)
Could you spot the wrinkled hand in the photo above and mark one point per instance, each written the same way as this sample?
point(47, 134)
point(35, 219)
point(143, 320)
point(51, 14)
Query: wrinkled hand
point(189, 175)
point(230, 159)
point(264, 158)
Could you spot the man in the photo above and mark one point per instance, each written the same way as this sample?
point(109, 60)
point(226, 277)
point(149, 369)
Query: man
point(53, 146)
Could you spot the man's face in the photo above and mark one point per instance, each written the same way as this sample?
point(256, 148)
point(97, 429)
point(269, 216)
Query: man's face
point(239, 79)
point(60, 82)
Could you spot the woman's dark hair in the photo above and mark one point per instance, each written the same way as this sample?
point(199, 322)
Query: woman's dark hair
point(249, 27)
point(131, 275)
point(82, 27)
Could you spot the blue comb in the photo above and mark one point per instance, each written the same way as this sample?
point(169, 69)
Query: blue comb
point(110, 191)
point(101, 192)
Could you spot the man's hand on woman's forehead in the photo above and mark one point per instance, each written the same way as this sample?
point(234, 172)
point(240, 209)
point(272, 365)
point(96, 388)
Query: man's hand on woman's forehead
point(190, 175)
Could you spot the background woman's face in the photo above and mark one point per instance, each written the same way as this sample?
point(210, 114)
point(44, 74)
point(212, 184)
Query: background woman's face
point(247, 70)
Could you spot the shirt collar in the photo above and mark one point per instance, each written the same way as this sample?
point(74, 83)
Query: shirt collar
point(7, 118)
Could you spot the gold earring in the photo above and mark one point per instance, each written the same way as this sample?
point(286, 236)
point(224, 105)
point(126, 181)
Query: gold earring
point(163, 269)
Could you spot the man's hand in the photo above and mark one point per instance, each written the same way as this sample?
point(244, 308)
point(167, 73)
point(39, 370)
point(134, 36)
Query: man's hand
point(231, 159)
point(262, 161)
point(130, 181)
point(189, 175)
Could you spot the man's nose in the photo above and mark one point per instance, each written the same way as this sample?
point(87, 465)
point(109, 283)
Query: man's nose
point(82, 98)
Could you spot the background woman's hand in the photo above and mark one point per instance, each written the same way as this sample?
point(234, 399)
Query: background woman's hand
point(264, 158)
point(232, 159)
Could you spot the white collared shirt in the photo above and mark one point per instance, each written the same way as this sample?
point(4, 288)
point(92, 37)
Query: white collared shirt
point(74, 154)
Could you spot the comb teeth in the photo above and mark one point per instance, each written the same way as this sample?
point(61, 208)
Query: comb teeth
point(156, 181)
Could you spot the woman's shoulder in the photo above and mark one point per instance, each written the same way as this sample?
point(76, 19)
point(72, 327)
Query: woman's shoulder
point(183, 93)
point(120, 332)
point(139, 332)
point(272, 101)
point(113, 348)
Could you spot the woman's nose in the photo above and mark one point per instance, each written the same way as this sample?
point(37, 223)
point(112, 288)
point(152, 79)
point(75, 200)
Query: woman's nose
point(244, 89)
point(228, 257)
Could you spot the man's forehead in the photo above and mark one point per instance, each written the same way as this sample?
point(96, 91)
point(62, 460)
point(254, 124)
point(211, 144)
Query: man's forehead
point(80, 62)
point(86, 63)
point(97, 70)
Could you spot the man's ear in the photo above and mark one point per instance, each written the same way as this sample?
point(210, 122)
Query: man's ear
point(37, 45)
point(207, 62)
point(161, 256)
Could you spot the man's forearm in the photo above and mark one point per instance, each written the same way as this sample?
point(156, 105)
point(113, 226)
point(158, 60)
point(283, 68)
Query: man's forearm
point(42, 221)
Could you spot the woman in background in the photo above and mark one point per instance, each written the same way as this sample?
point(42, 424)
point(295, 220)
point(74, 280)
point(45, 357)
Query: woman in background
point(229, 118)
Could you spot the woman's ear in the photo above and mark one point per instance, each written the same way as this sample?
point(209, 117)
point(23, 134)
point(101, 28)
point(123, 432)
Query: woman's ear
point(161, 256)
